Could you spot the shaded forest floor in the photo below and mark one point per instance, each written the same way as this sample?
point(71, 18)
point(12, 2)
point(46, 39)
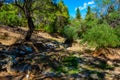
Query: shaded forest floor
point(46, 58)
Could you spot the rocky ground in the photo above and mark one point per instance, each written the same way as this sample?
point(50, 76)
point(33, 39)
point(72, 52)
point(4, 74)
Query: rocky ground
point(46, 58)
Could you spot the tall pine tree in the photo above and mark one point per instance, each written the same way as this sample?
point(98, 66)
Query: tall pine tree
point(89, 15)
point(88, 10)
point(78, 15)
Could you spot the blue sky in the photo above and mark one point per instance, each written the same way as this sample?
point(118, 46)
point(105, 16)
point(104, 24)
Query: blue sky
point(81, 4)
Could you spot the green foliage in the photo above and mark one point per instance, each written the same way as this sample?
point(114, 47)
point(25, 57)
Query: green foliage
point(45, 16)
point(101, 36)
point(79, 25)
point(71, 61)
point(62, 17)
point(113, 16)
point(117, 32)
point(70, 33)
point(88, 10)
point(78, 15)
point(55, 16)
point(69, 65)
point(90, 16)
point(13, 20)
point(90, 20)
point(48, 29)
point(9, 16)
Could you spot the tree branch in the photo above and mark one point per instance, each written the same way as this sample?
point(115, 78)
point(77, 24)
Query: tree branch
point(19, 6)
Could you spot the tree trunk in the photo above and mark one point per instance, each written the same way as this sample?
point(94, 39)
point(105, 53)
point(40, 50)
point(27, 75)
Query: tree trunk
point(1, 4)
point(31, 28)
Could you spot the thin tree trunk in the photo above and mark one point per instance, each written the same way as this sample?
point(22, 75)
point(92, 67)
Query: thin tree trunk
point(31, 28)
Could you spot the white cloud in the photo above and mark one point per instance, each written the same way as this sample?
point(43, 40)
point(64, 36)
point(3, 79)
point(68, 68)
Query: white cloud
point(82, 8)
point(85, 5)
point(91, 2)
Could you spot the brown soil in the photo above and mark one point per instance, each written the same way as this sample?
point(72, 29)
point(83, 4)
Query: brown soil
point(19, 34)
point(14, 36)
point(109, 53)
point(10, 36)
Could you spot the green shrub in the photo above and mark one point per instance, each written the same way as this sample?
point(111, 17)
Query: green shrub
point(48, 29)
point(70, 33)
point(101, 36)
point(79, 25)
point(117, 32)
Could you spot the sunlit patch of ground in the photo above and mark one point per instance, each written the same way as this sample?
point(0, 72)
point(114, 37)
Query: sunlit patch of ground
point(8, 37)
point(80, 47)
point(51, 36)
